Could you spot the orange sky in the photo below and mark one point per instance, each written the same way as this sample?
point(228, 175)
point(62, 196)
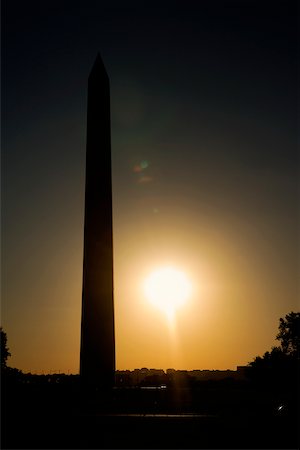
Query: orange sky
point(231, 316)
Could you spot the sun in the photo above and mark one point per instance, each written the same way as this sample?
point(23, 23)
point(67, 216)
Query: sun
point(168, 289)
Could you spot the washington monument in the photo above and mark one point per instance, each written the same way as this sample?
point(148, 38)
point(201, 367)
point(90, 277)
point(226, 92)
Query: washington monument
point(97, 353)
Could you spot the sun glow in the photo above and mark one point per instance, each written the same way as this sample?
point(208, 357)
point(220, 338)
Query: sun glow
point(167, 289)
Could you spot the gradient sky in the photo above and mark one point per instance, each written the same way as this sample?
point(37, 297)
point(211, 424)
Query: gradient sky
point(205, 93)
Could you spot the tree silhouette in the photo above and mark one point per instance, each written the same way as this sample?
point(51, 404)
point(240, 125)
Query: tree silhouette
point(4, 349)
point(289, 334)
point(278, 368)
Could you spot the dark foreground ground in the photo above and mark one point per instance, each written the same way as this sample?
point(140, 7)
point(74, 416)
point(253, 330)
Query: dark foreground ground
point(221, 417)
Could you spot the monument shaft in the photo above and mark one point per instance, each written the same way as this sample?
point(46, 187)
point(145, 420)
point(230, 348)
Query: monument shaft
point(97, 353)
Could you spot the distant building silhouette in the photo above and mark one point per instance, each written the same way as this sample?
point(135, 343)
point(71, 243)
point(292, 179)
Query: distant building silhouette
point(141, 376)
point(97, 353)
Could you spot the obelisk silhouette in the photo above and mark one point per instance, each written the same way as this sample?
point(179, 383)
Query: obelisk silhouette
point(97, 352)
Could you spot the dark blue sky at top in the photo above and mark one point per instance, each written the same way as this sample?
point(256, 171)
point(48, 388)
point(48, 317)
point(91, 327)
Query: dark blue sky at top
point(205, 91)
